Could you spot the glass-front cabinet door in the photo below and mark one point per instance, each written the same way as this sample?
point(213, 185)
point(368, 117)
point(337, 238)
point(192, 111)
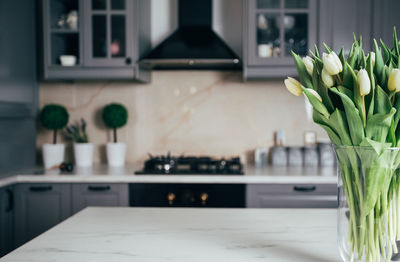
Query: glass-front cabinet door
point(278, 26)
point(109, 33)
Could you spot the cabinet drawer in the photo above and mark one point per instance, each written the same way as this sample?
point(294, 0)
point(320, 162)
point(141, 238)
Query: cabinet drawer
point(84, 195)
point(292, 196)
point(38, 207)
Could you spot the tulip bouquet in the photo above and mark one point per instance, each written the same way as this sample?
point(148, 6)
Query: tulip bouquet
point(355, 98)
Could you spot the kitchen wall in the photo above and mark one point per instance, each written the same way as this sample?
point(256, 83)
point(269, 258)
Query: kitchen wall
point(191, 112)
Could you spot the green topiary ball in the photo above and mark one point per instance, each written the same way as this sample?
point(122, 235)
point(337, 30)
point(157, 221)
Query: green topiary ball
point(54, 117)
point(115, 115)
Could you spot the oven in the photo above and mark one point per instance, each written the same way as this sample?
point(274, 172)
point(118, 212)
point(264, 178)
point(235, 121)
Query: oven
point(187, 195)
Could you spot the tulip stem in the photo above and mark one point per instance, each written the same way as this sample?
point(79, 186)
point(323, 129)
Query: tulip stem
point(364, 111)
point(339, 79)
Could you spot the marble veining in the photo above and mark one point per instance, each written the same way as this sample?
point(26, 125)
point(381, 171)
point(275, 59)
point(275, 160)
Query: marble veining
point(175, 234)
point(186, 112)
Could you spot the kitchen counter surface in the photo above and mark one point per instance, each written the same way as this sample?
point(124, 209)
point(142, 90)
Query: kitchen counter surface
point(157, 234)
point(105, 174)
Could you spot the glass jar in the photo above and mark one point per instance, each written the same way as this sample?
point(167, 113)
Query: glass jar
point(369, 202)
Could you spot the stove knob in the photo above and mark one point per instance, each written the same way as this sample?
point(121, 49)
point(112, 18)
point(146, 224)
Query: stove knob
point(203, 198)
point(171, 197)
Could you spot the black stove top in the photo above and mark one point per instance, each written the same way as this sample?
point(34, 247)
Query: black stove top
point(189, 165)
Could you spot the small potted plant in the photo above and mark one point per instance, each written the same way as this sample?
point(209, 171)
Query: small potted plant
point(53, 117)
point(83, 150)
point(115, 116)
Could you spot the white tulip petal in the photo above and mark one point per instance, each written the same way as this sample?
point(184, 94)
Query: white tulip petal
point(293, 86)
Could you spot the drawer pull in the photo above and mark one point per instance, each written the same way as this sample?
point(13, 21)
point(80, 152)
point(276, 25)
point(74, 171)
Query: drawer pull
point(304, 188)
point(40, 188)
point(99, 188)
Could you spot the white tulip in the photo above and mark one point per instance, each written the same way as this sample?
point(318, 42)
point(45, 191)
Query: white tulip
point(327, 79)
point(315, 93)
point(364, 83)
point(293, 86)
point(394, 81)
point(332, 63)
point(309, 64)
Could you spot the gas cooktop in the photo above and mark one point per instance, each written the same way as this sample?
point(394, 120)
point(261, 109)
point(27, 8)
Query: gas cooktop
point(189, 165)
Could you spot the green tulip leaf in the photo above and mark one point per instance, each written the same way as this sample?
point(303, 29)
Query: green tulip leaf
point(322, 121)
point(382, 102)
point(378, 126)
point(318, 105)
point(354, 121)
point(379, 69)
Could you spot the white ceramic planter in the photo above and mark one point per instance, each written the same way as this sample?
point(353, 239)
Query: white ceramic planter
point(83, 154)
point(53, 154)
point(116, 154)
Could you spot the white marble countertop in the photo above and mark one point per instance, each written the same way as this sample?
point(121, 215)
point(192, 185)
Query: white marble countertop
point(104, 174)
point(182, 235)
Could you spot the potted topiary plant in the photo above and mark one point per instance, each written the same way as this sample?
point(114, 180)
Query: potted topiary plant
point(115, 116)
point(53, 117)
point(83, 150)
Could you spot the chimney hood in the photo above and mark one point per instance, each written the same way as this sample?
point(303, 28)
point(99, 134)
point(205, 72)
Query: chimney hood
point(194, 45)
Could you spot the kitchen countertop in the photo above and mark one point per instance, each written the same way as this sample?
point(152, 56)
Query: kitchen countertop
point(105, 174)
point(160, 234)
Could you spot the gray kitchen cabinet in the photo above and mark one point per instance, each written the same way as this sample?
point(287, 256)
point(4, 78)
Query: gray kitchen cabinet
point(291, 196)
point(272, 28)
point(356, 16)
point(38, 207)
point(6, 220)
point(110, 37)
point(84, 195)
point(18, 85)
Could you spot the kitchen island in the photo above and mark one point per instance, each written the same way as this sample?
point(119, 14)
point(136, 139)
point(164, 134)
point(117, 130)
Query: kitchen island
point(105, 174)
point(160, 234)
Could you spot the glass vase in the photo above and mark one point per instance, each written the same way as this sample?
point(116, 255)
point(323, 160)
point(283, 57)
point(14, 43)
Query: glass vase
point(369, 199)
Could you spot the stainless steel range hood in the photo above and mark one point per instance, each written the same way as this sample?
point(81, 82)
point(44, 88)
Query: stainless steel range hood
point(194, 44)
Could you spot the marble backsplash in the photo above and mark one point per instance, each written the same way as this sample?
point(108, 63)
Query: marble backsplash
point(184, 112)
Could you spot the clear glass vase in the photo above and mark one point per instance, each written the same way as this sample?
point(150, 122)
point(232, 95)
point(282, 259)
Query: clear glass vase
point(369, 203)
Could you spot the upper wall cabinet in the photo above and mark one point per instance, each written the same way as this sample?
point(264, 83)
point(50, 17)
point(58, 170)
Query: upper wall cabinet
point(272, 28)
point(95, 39)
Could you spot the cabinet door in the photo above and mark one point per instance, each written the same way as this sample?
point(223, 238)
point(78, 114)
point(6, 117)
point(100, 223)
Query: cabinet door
point(339, 19)
point(275, 27)
point(109, 31)
point(85, 195)
point(38, 207)
point(6, 220)
point(292, 196)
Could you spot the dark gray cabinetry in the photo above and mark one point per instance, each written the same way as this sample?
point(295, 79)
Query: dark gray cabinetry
point(272, 28)
point(291, 196)
point(339, 19)
point(38, 207)
point(6, 220)
point(18, 85)
point(369, 18)
point(84, 195)
point(108, 40)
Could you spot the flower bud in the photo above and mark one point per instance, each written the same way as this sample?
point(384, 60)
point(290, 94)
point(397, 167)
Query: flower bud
point(332, 63)
point(364, 84)
point(327, 79)
point(309, 64)
point(293, 86)
point(394, 81)
point(372, 54)
point(315, 93)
